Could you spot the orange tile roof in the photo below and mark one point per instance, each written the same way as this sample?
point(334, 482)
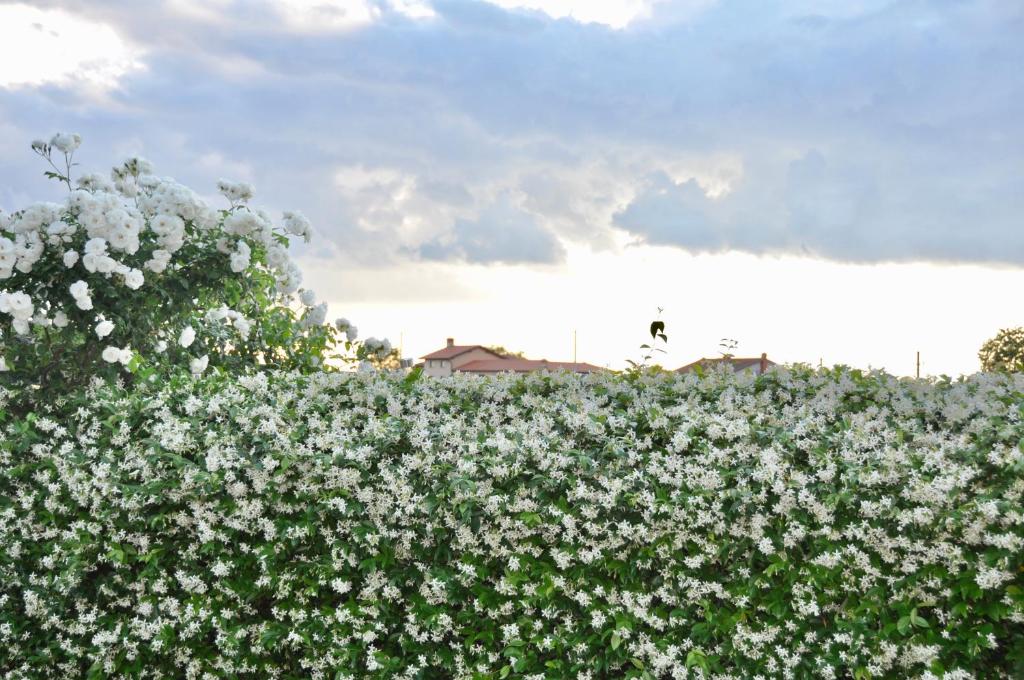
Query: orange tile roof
point(738, 363)
point(525, 366)
point(456, 350)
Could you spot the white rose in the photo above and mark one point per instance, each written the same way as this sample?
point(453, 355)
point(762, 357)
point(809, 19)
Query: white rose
point(239, 262)
point(96, 246)
point(19, 305)
point(70, 258)
point(308, 297)
point(243, 326)
point(66, 142)
point(187, 337)
point(79, 289)
point(134, 279)
point(60, 319)
point(111, 354)
point(159, 261)
point(199, 365)
point(104, 328)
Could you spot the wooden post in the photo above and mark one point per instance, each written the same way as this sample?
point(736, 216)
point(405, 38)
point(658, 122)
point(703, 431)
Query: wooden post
point(918, 365)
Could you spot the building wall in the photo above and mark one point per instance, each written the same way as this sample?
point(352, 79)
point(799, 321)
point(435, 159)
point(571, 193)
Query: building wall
point(437, 368)
point(471, 355)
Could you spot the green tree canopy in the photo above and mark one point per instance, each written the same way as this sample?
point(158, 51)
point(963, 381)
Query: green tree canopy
point(1004, 352)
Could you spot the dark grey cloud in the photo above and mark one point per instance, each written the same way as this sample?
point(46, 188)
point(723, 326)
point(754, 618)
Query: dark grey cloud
point(862, 131)
point(501, 234)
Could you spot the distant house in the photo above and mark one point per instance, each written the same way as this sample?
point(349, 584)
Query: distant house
point(444, 361)
point(756, 364)
point(479, 359)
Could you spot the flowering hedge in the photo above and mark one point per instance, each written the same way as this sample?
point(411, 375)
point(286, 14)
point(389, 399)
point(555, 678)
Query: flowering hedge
point(793, 525)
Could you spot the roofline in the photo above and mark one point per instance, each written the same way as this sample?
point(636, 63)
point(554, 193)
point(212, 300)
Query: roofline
point(467, 348)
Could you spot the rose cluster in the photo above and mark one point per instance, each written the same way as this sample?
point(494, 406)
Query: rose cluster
point(118, 269)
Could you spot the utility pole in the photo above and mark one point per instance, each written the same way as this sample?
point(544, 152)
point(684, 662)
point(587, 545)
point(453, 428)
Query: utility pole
point(918, 365)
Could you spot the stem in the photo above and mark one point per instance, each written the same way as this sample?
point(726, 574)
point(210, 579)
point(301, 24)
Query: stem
point(67, 163)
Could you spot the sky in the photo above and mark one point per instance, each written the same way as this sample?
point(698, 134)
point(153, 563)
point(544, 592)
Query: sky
point(826, 181)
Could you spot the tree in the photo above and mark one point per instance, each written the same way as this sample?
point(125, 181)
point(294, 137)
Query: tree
point(498, 349)
point(137, 275)
point(1004, 352)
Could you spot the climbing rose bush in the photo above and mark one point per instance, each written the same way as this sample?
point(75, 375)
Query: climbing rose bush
point(136, 273)
point(337, 526)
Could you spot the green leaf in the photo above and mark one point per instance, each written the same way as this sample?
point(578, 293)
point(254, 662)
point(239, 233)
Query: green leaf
point(697, 657)
point(903, 625)
point(616, 640)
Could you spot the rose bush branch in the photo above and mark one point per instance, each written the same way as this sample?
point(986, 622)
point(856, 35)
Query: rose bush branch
point(111, 281)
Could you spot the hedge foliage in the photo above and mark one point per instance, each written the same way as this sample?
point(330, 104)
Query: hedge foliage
point(800, 524)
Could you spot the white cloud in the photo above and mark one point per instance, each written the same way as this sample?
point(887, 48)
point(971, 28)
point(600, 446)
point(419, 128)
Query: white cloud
point(327, 15)
point(385, 200)
point(318, 16)
point(614, 13)
point(53, 46)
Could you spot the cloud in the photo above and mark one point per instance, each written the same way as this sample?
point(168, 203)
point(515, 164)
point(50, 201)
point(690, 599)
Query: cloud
point(670, 213)
point(837, 210)
point(52, 46)
point(855, 131)
point(502, 233)
point(614, 13)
